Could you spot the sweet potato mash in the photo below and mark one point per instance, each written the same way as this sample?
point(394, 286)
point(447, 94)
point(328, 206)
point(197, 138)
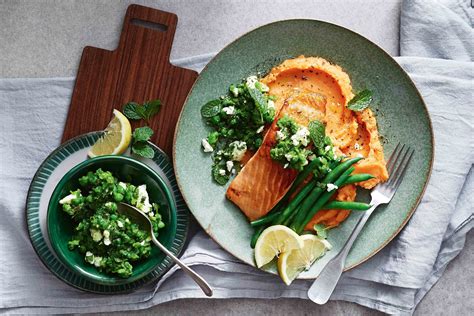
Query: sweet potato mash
point(352, 133)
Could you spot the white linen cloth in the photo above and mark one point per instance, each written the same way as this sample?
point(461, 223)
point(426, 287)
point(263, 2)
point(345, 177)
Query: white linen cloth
point(33, 113)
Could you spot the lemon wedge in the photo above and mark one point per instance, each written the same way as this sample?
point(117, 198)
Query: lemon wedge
point(292, 263)
point(273, 241)
point(117, 136)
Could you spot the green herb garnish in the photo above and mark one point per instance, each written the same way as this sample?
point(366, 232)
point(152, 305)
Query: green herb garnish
point(361, 101)
point(140, 147)
point(135, 111)
point(317, 132)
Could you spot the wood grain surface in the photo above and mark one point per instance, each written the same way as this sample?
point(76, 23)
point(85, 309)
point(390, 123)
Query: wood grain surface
point(138, 70)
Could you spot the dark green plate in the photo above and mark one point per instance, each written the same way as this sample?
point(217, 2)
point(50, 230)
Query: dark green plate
point(401, 115)
point(44, 182)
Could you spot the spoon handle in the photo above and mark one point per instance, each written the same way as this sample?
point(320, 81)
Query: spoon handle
point(196, 277)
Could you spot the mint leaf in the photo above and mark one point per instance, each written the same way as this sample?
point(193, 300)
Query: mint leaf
point(211, 108)
point(361, 101)
point(143, 149)
point(321, 230)
point(130, 110)
point(151, 108)
point(142, 134)
point(317, 132)
point(135, 111)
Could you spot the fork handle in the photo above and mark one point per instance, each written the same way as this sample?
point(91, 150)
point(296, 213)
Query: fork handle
point(205, 287)
point(326, 282)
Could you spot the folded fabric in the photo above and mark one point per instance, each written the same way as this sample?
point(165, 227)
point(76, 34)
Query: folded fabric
point(394, 281)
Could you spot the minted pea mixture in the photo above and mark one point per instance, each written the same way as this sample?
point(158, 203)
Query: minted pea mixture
point(297, 145)
point(108, 240)
point(238, 120)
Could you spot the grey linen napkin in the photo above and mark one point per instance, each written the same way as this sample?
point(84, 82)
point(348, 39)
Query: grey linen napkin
point(33, 113)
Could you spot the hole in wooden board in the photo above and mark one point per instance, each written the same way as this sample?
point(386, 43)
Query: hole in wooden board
point(150, 25)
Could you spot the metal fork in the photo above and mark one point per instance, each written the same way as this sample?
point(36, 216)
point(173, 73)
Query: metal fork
point(325, 284)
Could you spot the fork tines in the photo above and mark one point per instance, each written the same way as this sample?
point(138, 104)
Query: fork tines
point(397, 164)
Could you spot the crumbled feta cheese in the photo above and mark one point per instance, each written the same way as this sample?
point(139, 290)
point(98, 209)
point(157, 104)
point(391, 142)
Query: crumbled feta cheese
point(280, 135)
point(334, 157)
point(151, 214)
point(120, 224)
point(239, 149)
point(263, 87)
point(222, 172)
point(89, 257)
point(95, 234)
point(271, 104)
point(67, 199)
point(286, 166)
point(143, 200)
point(97, 261)
point(327, 148)
point(235, 91)
point(229, 110)
point(107, 241)
point(288, 157)
point(331, 187)
point(301, 137)
point(207, 147)
point(312, 157)
point(356, 146)
point(229, 164)
point(106, 234)
point(123, 185)
point(260, 129)
point(251, 82)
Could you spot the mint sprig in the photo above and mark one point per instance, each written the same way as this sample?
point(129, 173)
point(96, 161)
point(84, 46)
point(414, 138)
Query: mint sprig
point(361, 101)
point(136, 111)
point(140, 145)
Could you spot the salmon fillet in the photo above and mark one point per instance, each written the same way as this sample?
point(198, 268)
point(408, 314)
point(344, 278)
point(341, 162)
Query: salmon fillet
point(262, 182)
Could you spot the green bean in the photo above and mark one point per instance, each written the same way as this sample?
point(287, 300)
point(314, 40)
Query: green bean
point(265, 219)
point(256, 234)
point(358, 177)
point(279, 207)
point(317, 191)
point(295, 202)
point(314, 208)
point(346, 205)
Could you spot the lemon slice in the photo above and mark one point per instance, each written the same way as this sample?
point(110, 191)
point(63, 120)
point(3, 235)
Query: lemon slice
point(273, 241)
point(116, 138)
point(292, 263)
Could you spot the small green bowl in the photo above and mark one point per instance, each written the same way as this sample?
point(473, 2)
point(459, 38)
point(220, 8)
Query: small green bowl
point(61, 229)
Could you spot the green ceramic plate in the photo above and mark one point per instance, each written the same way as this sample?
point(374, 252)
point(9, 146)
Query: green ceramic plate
point(42, 186)
point(401, 115)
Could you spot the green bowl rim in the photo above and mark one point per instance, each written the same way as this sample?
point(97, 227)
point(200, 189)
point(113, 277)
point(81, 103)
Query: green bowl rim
point(67, 177)
point(390, 58)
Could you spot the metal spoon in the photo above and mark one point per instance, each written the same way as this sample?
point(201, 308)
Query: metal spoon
point(143, 221)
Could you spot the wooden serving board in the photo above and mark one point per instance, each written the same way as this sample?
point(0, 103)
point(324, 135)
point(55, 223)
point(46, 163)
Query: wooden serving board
point(138, 70)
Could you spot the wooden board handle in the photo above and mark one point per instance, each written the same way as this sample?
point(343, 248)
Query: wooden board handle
point(139, 17)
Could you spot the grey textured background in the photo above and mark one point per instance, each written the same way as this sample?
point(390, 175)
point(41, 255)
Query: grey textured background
point(45, 39)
